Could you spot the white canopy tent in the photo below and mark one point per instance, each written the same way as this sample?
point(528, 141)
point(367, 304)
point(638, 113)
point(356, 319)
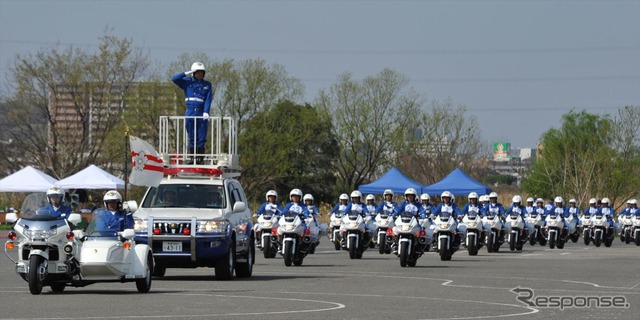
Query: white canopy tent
point(91, 177)
point(28, 179)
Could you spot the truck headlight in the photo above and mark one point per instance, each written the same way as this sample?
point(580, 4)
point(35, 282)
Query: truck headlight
point(140, 225)
point(218, 226)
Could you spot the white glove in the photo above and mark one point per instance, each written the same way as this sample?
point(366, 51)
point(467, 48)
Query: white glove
point(205, 116)
point(188, 73)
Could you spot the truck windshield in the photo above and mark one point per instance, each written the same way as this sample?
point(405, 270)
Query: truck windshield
point(185, 196)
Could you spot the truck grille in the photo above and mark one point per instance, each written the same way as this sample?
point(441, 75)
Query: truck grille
point(172, 227)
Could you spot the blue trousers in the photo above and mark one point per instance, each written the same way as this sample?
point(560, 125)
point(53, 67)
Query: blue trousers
point(197, 133)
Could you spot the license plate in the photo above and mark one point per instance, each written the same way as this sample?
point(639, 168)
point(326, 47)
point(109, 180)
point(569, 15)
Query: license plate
point(171, 246)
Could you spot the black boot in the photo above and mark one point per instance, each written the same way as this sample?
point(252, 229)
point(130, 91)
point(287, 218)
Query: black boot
point(200, 158)
point(189, 159)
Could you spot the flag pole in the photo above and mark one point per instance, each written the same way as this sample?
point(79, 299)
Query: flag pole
point(126, 160)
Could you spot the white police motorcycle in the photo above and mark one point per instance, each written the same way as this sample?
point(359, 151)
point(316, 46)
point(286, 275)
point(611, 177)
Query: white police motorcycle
point(634, 231)
point(354, 233)
point(516, 233)
point(471, 229)
point(602, 230)
point(492, 225)
point(335, 221)
point(444, 233)
point(266, 224)
point(555, 229)
point(535, 223)
point(383, 222)
point(294, 238)
point(410, 238)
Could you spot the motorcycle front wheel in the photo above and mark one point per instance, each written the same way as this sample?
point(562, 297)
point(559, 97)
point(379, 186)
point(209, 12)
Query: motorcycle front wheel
point(36, 274)
point(587, 237)
point(352, 248)
point(382, 239)
point(287, 253)
point(404, 254)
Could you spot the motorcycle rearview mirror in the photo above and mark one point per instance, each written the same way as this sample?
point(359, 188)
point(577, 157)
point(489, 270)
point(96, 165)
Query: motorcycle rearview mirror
point(130, 206)
point(75, 218)
point(11, 217)
point(128, 234)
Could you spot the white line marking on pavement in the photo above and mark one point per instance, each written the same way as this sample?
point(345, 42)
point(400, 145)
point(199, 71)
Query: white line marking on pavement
point(531, 309)
point(335, 306)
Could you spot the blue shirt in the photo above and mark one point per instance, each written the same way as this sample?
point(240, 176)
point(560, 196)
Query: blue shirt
point(271, 207)
point(298, 208)
point(338, 208)
point(493, 209)
point(426, 210)
point(472, 208)
point(390, 207)
point(357, 207)
point(198, 93)
point(521, 210)
point(412, 207)
point(113, 221)
point(62, 212)
point(450, 208)
point(606, 211)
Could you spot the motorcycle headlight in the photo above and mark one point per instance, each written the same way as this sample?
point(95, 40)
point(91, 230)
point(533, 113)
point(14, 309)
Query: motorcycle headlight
point(140, 225)
point(598, 221)
point(218, 226)
point(338, 222)
point(353, 224)
point(444, 226)
point(472, 224)
point(514, 223)
point(405, 228)
point(637, 223)
point(288, 227)
point(553, 223)
point(40, 234)
point(268, 224)
point(383, 223)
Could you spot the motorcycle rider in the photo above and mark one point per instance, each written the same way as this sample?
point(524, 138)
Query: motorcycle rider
point(410, 203)
point(494, 208)
point(516, 206)
point(575, 210)
point(560, 209)
point(56, 206)
point(356, 205)
point(112, 217)
point(426, 208)
point(472, 205)
point(341, 205)
point(448, 205)
point(387, 205)
point(540, 208)
point(295, 205)
point(593, 207)
point(271, 196)
point(371, 204)
point(608, 212)
point(198, 96)
point(529, 207)
point(311, 207)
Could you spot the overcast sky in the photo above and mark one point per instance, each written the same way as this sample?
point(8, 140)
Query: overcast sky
point(517, 65)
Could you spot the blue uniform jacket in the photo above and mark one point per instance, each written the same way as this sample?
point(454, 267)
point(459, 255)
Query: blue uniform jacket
point(62, 211)
point(477, 208)
point(607, 212)
point(338, 208)
point(390, 207)
point(575, 211)
point(426, 210)
point(450, 208)
point(198, 93)
point(298, 208)
point(492, 209)
point(590, 211)
point(263, 208)
point(358, 207)
point(413, 207)
point(113, 221)
point(520, 209)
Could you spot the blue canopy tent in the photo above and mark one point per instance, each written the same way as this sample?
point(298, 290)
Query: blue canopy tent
point(458, 183)
point(394, 180)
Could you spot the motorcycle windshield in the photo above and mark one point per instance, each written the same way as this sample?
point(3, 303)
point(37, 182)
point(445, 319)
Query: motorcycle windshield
point(353, 215)
point(93, 229)
point(40, 215)
point(514, 215)
point(289, 216)
point(472, 215)
point(444, 216)
point(406, 216)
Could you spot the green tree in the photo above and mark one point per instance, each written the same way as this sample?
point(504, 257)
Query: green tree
point(67, 101)
point(288, 146)
point(576, 160)
point(369, 118)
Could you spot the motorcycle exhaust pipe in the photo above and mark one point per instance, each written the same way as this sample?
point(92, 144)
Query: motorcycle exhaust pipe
point(68, 249)
point(274, 238)
point(422, 240)
point(306, 239)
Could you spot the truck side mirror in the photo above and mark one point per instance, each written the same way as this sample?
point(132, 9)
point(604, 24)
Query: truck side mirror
point(239, 207)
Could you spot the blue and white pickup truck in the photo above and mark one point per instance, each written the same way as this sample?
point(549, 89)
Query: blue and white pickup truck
point(198, 216)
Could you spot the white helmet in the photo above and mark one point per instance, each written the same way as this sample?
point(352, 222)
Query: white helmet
point(484, 198)
point(295, 192)
point(55, 191)
point(558, 199)
point(344, 196)
point(572, 201)
point(540, 200)
point(356, 194)
point(516, 199)
point(473, 195)
point(446, 194)
point(111, 196)
point(387, 191)
point(493, 195)
point(371, 197)
point(197, 66)
point(271, 193)
point(605, 200)
point(425, 196)
point(593, 201)
point(410, 191)
point(308, 196)
point(529, 200)
point(632, 201)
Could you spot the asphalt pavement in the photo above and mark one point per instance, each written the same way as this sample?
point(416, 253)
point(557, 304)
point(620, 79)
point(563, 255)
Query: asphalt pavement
point(577, 282)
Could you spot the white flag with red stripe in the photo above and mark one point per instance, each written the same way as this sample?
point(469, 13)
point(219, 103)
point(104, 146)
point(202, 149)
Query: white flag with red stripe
point(147, 167)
